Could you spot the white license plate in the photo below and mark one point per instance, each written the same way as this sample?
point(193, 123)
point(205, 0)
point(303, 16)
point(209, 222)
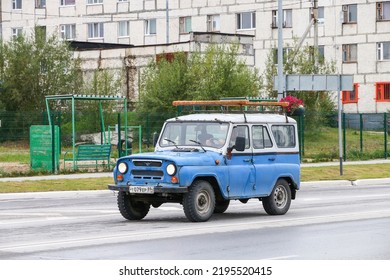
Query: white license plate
point(135, 189)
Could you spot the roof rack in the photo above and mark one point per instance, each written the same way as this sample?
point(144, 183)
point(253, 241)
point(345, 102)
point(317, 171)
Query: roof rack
point(225, 103)
point(228, 103)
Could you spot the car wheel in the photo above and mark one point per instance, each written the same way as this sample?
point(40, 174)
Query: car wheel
point(199, 202)
point(131, 209)
point(279, 201)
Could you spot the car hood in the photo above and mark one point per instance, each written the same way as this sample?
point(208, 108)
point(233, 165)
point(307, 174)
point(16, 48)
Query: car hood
point(180, 158)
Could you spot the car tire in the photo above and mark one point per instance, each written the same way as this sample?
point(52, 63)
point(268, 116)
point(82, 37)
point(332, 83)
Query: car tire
point(279, 200)
point(131, 209)
point(199, 202)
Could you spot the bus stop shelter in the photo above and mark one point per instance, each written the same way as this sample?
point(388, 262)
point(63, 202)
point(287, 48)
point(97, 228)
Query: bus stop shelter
point(79, 97)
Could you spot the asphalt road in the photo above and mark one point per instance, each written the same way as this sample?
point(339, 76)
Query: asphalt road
point(326, 221)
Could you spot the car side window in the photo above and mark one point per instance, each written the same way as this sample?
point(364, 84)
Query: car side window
point(284, 135)
point(261, 137)
point(242, 131)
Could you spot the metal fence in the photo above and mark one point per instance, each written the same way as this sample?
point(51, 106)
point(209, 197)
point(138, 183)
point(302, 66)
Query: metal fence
point(363, 134)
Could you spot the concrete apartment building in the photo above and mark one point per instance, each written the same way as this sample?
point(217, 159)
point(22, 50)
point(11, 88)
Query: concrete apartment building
point(353, 33)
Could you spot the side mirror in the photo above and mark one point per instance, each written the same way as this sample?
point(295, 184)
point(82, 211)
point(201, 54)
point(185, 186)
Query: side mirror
point(239, 145)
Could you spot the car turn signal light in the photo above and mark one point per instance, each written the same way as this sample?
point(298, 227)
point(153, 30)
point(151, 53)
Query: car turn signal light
point(174, 180)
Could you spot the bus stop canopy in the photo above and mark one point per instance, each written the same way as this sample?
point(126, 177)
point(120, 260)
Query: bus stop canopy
point(73, 98)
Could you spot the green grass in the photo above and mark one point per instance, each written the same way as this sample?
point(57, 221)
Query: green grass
point(11, 152)
point(350, 172)
point(322, 145)
point(56, 185)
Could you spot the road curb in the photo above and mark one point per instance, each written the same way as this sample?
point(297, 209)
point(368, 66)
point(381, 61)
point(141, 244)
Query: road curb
point(347, 183)
point(57, 194)
point(57, 177)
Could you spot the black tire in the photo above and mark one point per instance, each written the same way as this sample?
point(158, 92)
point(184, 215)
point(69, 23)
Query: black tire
point(221, 206)
point(279, 201)
point(131, 209)
point(199, 202)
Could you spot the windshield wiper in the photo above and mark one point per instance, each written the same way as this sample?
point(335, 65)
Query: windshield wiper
point(172, 142)
point(200, 144)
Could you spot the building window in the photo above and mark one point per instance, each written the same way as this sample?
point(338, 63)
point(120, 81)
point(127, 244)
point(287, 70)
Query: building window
point(246, 20)
point(351, 96)
point(185, 24)
point(383, 50)
point(320, 15)
point(94, 1)
point(382, 92)
point(383, 10)
point(213, 23)
point(40, 4)
point(123, 29)
point(350, 53)
point(150, 27)
point(16, 4)
point(286, 53)
point(319, 53)
point(16, 32)
point(350, 13)
point(68, 31)
point(287, 18)
point(68, 2)
point(95, 30)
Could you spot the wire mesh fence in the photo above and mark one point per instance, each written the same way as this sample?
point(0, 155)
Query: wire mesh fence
point(365, 136)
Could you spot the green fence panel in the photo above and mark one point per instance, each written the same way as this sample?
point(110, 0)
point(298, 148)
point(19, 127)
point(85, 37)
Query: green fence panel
point(41, 147)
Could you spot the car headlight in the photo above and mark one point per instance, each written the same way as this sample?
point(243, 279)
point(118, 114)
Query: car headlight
point(171, 169)
point(122, 167)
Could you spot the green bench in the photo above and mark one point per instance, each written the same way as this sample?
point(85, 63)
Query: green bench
point(91, 155)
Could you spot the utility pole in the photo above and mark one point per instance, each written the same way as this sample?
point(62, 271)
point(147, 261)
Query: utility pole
point(167, 20)
point(280, 51)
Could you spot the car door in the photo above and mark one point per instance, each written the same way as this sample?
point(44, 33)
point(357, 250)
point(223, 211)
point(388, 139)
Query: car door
point(264, 160)
point(241, 171)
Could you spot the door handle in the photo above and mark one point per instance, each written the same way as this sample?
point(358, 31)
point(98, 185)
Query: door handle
point(271, 159)
point(248, 160)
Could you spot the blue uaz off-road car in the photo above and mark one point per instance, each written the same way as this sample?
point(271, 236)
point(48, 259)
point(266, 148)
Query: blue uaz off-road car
point(203, 161)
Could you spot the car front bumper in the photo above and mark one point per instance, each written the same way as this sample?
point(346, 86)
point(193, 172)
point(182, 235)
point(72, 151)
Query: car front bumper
point(157, 189)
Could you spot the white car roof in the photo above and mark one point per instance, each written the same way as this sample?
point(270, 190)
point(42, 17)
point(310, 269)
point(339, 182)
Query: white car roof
point(236, 118)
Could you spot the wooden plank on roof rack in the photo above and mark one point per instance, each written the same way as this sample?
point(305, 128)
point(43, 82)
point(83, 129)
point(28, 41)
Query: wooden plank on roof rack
point(210, 102)
point(268, 103)
point(227, 103)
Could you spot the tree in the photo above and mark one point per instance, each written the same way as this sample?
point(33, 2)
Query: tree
point(215, 74)
point(33, 67)
point(104, 82)
point(301, 62)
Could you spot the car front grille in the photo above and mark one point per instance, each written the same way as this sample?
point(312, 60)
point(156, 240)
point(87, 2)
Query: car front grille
point(147, 163)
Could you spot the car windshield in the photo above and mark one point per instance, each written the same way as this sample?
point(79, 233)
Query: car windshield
point(208, 134)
